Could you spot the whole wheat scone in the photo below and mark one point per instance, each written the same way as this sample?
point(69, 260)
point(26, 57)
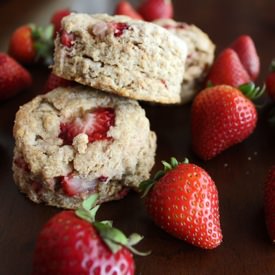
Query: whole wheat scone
point(76, 141)
point(131, 58)
point(200, 55)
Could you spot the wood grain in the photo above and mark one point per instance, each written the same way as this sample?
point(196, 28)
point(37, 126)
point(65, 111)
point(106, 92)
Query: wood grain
point(239, 172)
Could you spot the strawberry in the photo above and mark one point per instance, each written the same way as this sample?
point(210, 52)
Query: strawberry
point(245, 48)
point(95, 124)
point(75, 243)
point(125, 8)
point(222, 116)
point(22, 45)
point(73, 185)
point(67, 39)
point(152, 10)
point(55, 81)
point(13, 77)
point(183, 200)
point(30, 43)
point(269, 203)
point(228, 69)
point(270, 81)
point(57, 18)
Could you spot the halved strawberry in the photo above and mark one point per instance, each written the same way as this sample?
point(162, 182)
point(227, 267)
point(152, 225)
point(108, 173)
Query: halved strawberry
point(95, 124)
point(119, 28)
point(73, 185)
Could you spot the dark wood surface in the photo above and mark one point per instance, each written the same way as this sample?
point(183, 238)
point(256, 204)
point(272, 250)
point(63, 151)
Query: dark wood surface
point(239, 172)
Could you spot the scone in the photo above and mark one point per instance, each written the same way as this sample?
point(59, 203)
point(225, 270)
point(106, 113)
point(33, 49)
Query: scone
point(76, 141)
point(200, 55)
point(130, 58)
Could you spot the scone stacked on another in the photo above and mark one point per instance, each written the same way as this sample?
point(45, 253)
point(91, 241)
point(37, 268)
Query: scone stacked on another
point(199, 58)
point(131, 58)
point(79, 140)
point(76, 141)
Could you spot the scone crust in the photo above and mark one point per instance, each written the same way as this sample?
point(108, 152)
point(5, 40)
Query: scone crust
point(144, 62)
point(125, 159)
point(200, 55)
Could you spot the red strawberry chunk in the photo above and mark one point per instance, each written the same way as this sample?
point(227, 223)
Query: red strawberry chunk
point(95, 124)
point(21, 163)
point(74, 185)
point(36, 186)
point(103, 179)
point(67, 39)
point(119, 28)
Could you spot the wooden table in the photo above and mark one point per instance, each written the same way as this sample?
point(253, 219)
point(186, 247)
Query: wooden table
point(239, 172)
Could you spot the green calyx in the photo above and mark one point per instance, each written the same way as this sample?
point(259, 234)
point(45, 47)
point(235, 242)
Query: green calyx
point(43, 42)
point(251, 91)
point(145, 186)
point(113, 237)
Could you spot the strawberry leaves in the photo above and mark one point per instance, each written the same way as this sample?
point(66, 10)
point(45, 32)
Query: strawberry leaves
point(146, 185)
point(113, 237)
point(252, 91)
point(43, 42)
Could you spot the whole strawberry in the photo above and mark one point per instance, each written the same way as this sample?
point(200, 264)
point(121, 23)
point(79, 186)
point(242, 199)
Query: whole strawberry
point(270, 81)
point(57, 18)
point(183, 201)
point(245, 47)
point(74, 243)
point(31, 43)
point(152, 10)
point(222, 116)
point(13, 77)
point(228, 69)
point(125, 8)
point(269, 203)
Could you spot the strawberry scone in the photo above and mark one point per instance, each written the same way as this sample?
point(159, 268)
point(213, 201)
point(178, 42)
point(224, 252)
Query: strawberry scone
point(130, 58)
point(200, 55)
point(75, 141)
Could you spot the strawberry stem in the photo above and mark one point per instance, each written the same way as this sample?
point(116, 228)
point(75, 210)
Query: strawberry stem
point(252, 91)
point(145, 186)
point(113, 237)
point(43, 42)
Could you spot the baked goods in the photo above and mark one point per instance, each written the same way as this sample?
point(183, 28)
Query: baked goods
point(76, 141)
point(199, 58)
point(130, 58)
